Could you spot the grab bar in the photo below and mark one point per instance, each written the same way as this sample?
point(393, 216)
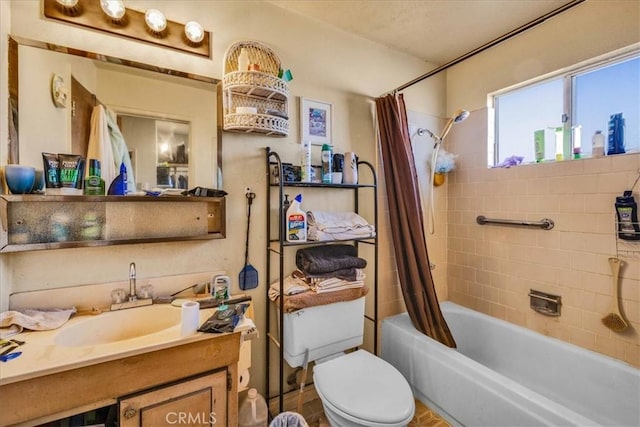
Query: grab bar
point(544, 223)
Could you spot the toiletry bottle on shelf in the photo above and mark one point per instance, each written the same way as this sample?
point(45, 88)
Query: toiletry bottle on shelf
point(305, 162)
point(576, 141)
point(296, 227)
point(243, 60)
point(627, 214)
point(616, 135)
point(327, 159)
point(538, 143)
point(119, 184)
point(350, 173)
point(94, 184)
point(597, 147)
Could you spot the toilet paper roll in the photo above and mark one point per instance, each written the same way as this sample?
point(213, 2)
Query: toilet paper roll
point(243, 379)
point(190, 318)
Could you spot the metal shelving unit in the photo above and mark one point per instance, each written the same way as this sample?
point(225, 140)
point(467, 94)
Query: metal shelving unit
point(277, 247)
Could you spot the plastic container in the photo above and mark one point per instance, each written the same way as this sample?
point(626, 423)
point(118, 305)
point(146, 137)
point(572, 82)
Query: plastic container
point(253, 411)
point(243, 60)
point(296, 226)
point(627, 213)
point(597, 144)
point(616, 135)
point(538, 143)
point(305, 162)
point(327, 162)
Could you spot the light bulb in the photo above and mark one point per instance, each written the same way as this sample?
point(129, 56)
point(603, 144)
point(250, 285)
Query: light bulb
point(69, 7)
point(155, 20)
point(194, 32)
point(67, 3)
point(114, 9)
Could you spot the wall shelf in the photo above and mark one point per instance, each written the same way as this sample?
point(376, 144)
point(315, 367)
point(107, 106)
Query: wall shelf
point(628, 248)
point(40, 222)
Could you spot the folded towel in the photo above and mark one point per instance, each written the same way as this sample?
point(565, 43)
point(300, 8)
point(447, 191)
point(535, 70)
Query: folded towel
point(291, 286)
point(36, 320)
point(318, 235)
point(330, 258)
point(336, 222)
point(334, 285)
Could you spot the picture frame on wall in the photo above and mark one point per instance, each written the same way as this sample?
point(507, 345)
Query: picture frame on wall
point(315, 121)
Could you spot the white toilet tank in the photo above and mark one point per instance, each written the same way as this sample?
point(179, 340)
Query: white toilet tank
point(323, 329)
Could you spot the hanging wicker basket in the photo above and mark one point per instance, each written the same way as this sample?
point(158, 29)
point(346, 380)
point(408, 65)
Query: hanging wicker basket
point(260, 88)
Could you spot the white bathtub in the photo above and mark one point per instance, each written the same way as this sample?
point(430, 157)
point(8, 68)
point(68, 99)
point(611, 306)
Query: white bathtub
point(505, 375)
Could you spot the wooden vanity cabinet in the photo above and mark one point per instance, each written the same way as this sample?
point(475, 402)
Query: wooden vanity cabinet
point(201, 401)
point(202, 373)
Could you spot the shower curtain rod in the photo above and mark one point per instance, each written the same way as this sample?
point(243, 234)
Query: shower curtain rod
point(490, 44)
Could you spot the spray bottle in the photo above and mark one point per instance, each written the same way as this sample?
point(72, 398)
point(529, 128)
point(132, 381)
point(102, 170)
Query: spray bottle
point(296, 221)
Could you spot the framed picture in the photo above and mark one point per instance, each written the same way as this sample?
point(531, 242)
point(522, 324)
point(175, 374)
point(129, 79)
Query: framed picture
point(315, 121)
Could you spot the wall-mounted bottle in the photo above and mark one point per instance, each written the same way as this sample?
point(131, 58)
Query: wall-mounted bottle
point(93, 183)
point(627, 213)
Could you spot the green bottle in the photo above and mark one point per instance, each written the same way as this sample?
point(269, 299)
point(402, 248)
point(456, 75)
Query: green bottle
point(94, 184)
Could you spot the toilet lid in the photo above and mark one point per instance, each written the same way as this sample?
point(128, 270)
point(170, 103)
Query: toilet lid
point(366, 387)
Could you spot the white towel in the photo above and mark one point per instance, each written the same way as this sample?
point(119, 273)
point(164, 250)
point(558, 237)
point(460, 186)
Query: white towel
point(36, 320)
point(100, 146)
point(338, 226)
point(107, 144)
point(335, 284)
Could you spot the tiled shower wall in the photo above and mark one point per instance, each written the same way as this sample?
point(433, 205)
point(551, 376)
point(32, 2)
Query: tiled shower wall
point(492, 268)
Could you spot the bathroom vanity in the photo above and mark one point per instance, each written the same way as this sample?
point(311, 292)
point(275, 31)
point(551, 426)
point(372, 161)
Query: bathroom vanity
point(149, 378)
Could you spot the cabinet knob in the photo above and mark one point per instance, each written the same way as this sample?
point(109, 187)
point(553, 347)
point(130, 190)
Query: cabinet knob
point(130, 412)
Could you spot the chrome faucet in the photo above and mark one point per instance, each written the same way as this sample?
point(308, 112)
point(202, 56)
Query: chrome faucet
point(132, 282)
point(119, 299)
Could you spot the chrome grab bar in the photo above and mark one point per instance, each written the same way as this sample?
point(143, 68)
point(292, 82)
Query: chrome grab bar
point(544, 223)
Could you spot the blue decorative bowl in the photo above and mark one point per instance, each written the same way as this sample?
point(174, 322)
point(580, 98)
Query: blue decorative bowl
point(20, 179)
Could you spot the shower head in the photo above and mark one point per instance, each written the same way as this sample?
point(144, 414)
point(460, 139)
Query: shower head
point(458, 116)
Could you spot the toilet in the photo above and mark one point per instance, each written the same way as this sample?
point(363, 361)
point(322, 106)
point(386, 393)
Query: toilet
point(356, 388)
point(360, 389)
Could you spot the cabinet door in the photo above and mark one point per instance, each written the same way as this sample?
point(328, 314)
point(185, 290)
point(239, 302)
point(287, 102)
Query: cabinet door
point(201, 401)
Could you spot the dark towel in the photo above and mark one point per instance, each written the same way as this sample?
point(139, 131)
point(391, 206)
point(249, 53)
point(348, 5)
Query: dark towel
point(348, 274)
point(329, 258)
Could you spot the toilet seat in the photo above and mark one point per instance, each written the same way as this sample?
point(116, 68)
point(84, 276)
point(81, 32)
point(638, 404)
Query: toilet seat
point(364, 388)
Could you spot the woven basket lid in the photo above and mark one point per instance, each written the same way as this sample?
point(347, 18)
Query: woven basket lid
point(260, 54)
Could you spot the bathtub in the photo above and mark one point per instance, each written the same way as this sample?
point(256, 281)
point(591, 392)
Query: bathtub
point(505, 375)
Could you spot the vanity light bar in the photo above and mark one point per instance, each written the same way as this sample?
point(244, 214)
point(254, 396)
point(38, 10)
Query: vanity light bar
point(150, 26)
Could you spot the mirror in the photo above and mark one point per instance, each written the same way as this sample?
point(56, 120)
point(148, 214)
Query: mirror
point(157, 109)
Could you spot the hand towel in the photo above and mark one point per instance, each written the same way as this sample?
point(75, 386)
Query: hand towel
point(36, 320)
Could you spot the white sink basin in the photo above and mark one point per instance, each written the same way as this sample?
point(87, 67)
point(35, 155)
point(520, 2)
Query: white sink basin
point(119, 325)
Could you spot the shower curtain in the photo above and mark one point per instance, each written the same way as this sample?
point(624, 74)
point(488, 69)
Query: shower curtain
point(407, 227)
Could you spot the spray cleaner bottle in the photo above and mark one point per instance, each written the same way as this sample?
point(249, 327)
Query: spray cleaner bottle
point(296, 226)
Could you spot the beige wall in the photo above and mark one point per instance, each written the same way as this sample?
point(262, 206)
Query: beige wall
point(327, 65)
point(490, 268)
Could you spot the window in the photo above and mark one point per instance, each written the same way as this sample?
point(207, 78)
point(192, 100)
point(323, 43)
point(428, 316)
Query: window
point(567, 109)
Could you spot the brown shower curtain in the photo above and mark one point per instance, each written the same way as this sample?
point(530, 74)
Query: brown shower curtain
point(407, 228)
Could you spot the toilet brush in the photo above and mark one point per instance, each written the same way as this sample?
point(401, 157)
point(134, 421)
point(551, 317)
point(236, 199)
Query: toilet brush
point(614, 319)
